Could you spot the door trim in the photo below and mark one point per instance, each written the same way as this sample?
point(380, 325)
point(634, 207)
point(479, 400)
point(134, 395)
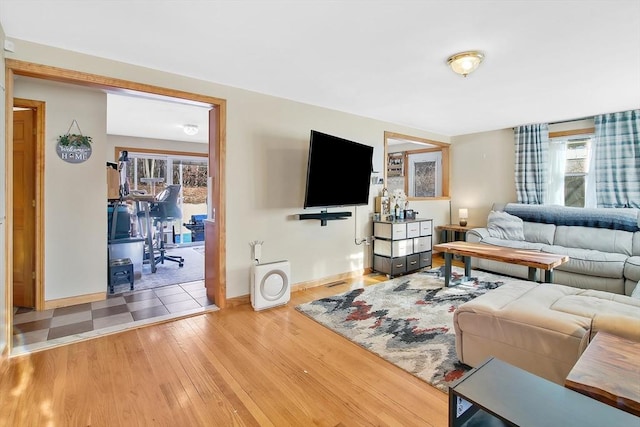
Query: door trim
point(39, 108)
point(217, 138)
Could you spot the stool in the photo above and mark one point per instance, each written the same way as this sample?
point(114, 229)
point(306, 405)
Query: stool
point(120, 271)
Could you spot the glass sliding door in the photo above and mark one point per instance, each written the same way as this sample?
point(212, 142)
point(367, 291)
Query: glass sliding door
point(191, 173)
point(151, 173)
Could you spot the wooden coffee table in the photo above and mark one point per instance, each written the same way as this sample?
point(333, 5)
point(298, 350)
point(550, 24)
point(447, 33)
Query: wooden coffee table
point(608, 371)
point(531, 259)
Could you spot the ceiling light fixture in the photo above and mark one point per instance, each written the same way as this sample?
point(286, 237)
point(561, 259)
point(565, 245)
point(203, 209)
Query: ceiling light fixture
point(465, 62)
point(190, 129)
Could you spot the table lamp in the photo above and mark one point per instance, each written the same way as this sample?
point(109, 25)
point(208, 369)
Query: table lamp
point(463, 214)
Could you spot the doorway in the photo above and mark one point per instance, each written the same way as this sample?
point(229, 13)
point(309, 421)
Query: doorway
point(216, 251)
point(27, 208)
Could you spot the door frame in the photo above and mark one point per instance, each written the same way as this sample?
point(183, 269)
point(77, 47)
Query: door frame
point(216, 290)
point(39, 111)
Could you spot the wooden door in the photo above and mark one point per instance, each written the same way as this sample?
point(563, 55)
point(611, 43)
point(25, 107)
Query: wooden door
point(24, 200)
point(214, 246)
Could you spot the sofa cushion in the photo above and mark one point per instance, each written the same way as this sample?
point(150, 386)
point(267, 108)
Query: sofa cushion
point(582, 281)
point(514, 244)
point(539, 233)
point(589, 262)
point(616, 324)
point(636, 244)
point(632, 268)
point(636, 291)
point(600, 239)
point(505, 226)
point(588, 303)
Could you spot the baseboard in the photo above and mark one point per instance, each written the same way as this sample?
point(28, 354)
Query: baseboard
point(238, 301)
point(80, 299)
point(246, 299)
point(330, 279)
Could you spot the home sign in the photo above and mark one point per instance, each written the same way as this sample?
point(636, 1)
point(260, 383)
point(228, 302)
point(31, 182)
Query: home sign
point(73, 154)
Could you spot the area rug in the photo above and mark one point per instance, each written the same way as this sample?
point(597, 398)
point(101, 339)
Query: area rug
point(407, 320)
point(170, 273)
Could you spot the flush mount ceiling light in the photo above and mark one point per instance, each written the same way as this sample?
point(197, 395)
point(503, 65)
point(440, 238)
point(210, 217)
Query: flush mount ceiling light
point(465, 62)
point(190, 129)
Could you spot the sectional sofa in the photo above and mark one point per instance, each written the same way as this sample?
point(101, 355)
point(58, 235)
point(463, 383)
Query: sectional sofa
point(541, 328)
point(544, 328)
point(603, 244)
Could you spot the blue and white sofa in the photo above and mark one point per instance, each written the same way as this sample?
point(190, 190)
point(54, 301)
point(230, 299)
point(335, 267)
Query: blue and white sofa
point(603, 243)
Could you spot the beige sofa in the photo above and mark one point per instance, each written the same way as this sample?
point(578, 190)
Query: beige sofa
point(542, 328)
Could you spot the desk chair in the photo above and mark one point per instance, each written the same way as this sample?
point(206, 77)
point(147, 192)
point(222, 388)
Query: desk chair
point(164, 209)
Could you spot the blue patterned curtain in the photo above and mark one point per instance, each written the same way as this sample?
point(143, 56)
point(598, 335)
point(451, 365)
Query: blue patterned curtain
point(617, 160)
point(532, 154)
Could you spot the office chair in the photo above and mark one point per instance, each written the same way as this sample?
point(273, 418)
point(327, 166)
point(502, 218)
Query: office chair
point(164, 209)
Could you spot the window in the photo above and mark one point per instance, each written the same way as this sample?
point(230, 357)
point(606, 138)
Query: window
point(152, 170)
point(571, 178)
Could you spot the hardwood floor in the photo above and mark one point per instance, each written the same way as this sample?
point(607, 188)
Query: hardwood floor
point(233, 367)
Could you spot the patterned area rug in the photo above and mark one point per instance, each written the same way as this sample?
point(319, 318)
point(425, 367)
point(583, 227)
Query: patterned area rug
point(407, 320)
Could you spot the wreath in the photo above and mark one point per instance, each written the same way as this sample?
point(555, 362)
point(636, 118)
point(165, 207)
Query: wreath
point(74, 139)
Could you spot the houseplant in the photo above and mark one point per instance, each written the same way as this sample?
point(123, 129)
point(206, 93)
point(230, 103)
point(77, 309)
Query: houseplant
point(74, 140)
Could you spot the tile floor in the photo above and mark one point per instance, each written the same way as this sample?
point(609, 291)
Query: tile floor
point(33, 330)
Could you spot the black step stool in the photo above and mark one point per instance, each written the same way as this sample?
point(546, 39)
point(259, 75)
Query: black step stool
point(120, 271)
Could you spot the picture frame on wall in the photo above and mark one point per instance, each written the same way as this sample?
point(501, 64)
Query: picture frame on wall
point(395, 164)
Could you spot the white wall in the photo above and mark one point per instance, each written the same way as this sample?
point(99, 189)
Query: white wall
point(482, 172)
point(267, 147)
point(483, 169)
point(75, 194)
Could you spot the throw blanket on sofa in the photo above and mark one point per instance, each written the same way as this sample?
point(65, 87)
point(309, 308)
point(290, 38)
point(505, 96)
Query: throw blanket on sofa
point(611, 218)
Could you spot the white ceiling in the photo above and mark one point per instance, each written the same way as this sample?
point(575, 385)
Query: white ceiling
point(146, 117)
point(545, 61)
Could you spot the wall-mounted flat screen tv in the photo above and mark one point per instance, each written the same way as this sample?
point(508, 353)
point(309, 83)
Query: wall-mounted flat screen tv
point(338, 172)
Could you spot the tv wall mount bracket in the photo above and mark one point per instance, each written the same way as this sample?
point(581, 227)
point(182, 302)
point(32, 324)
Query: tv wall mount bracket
point(325, 216)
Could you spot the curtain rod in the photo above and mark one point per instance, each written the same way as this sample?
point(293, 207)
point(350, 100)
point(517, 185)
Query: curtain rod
point(571, 120)
point(562, 121)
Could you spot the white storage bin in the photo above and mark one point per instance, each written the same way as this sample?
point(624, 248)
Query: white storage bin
point(413, 229)
point(426, 228)
point(393, 248)
point(422, 244)
point(390, 231)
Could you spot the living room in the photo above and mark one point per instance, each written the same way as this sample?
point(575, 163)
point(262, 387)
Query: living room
point(266, 148)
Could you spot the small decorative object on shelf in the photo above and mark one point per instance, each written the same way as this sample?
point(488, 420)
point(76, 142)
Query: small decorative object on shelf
point(399, 199)
point(72, 147)
point(382, 205)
